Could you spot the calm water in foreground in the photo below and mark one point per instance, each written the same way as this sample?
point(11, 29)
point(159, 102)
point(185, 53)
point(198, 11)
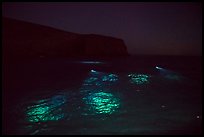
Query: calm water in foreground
point(123, 96)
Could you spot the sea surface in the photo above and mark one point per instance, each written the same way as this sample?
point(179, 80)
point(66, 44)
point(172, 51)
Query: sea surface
point(137, 95)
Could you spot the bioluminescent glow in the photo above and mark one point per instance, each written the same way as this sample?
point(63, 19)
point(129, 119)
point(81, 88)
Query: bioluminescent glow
point(100, 78)
point(46, 110)
point(110, 78)
point(91, 80)
point(102, 102)
point(99, 101)
point(138, 78)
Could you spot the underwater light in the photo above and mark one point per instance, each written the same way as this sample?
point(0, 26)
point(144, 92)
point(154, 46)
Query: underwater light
point(139, 78)
point(102, 103)
point(46, 109)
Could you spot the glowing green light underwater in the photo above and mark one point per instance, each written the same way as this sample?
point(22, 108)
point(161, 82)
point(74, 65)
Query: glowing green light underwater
point(100, 78)
point(110, 78)
point(99, 101)
point(102, 102)
point(46, 111)
point(138, 78)
point(42, 114)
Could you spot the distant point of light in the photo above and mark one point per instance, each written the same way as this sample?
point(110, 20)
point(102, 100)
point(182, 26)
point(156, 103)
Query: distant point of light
point(158, 68)
point(163, 106)
point(169, 74)
point(197, 116)
point(93, 71)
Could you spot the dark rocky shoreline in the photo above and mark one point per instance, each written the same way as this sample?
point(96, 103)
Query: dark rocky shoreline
point(25, 41)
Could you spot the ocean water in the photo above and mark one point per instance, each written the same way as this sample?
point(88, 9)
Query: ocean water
point(134, 95)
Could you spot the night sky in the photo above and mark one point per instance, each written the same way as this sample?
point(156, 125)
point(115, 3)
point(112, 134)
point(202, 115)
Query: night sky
point(146, 28)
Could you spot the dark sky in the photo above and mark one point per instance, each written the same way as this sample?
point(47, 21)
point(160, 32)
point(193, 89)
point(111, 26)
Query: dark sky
point(146, 28)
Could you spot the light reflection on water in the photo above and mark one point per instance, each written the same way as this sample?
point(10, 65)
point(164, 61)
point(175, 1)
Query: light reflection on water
point(100, 79)
point(101, 103)
point(46, 110)
point(170, 75)
point(97, 98)
point(139, 78)
point(97, 93)
point(93, 95)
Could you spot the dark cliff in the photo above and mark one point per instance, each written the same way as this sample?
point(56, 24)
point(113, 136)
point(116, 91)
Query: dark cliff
point(23, 40)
